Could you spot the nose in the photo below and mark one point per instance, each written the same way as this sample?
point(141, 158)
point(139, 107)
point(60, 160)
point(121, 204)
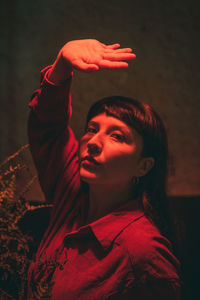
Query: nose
point(94, 148)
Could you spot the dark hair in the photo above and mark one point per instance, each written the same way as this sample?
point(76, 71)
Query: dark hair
point(140, 116)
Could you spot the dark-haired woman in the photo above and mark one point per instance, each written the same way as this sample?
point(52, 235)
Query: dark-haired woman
point(107, 233)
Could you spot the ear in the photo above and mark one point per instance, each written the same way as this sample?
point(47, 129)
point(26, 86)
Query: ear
point(146, 164)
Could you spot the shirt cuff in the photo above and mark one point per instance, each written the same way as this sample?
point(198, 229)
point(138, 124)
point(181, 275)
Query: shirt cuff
point(44, 77)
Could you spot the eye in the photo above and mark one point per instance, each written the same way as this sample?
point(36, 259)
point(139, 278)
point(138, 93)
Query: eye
point(91, 129)
point(118, 136)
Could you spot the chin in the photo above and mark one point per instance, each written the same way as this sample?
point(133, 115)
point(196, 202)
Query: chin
point(87, 176)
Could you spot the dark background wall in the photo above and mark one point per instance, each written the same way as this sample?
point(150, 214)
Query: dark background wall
point(165, 35)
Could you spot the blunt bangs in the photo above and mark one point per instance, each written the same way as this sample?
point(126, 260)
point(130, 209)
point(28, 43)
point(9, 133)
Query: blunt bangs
point(125, 109)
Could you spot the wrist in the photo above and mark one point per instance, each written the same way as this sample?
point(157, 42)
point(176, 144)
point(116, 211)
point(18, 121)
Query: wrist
point(60, 71)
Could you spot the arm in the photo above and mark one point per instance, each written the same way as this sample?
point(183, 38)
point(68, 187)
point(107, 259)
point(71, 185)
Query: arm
point(52, 142)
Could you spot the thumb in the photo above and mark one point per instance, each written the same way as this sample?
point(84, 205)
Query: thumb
point(92, 67)
point(81, 65)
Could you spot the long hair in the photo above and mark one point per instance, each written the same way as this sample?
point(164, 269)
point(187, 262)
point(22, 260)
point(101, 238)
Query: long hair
point(151, 187)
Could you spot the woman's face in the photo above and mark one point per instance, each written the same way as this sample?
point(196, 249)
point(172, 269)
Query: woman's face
point(110, 152)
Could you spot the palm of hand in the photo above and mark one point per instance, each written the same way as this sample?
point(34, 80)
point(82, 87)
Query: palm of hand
point(90, 55)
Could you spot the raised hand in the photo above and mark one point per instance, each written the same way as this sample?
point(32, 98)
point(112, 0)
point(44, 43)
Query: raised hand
point(90, 55)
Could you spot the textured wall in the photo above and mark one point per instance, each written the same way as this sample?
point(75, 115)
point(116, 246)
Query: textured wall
point(165, 73)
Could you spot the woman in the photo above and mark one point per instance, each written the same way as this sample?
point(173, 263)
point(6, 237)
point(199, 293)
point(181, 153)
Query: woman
point(106, 238)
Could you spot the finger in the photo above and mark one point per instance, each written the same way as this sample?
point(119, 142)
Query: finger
point(125, 50)
point(122, 50)
point(105, 64)
point(113, 46)
point(119, 56)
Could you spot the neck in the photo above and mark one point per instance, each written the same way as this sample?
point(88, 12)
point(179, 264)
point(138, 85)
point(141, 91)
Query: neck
point(104, 199)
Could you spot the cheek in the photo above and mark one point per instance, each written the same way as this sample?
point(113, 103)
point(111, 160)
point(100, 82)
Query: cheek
point(121, 160)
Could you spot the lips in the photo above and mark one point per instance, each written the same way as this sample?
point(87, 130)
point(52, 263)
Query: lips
point(90, 159)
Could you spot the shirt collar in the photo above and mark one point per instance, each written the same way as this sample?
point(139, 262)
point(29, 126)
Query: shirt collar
point(110, 226)
point(107, 228)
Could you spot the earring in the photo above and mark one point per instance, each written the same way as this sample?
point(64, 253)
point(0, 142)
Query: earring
point(136, 180)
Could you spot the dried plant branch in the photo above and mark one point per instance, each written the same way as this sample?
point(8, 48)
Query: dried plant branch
point(16, 246)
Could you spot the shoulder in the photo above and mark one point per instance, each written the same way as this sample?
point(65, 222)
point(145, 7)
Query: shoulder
point(150, 252)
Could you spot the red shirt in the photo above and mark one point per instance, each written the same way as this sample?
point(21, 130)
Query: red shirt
point(121, 255)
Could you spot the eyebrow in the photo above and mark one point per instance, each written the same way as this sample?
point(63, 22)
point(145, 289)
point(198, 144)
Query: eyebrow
point(92, 123)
